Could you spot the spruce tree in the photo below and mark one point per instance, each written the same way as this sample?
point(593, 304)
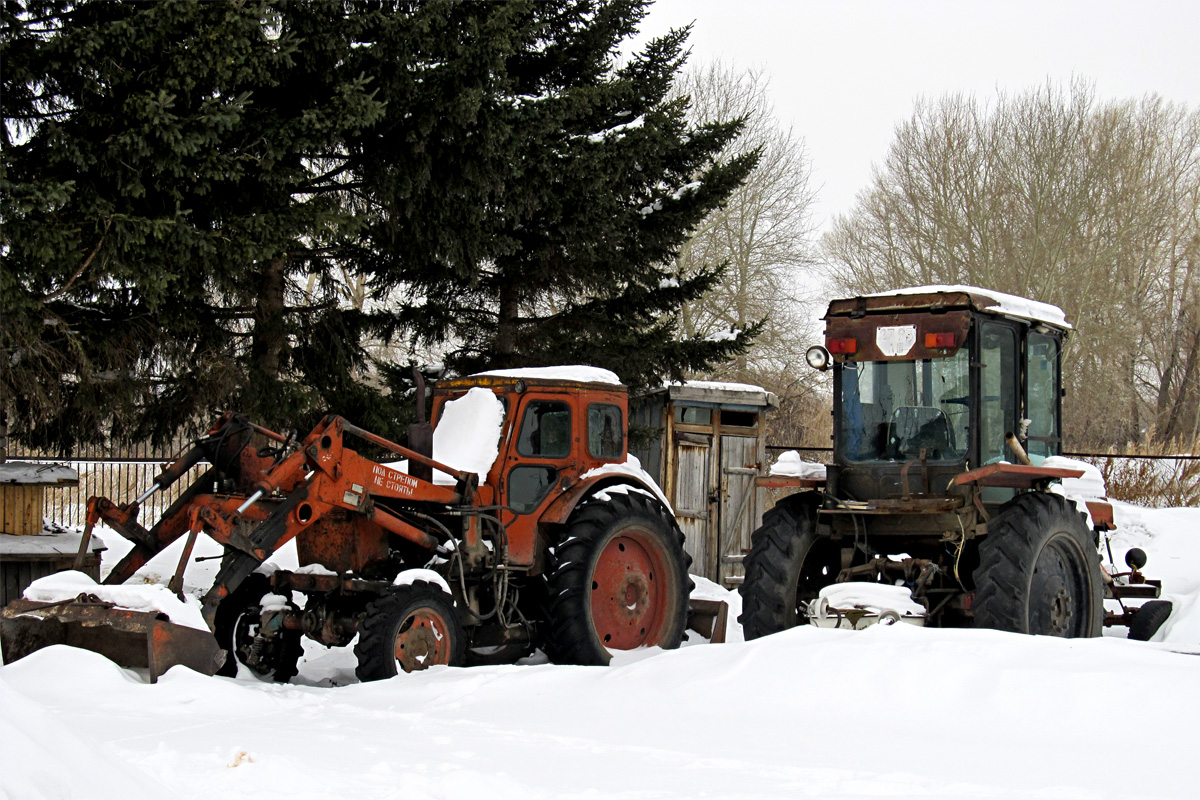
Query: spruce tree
point(186, 185)
point(169, 181)
point(594, 182)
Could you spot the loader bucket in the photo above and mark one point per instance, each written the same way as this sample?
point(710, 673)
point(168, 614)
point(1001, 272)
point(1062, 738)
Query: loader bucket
point(137, 639)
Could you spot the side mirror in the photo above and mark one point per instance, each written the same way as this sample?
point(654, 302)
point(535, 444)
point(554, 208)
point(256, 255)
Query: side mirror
point(818, 357)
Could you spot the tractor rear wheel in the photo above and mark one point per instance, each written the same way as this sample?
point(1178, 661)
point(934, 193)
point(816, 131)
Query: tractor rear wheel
point(787, 566)
point(1148, 619)
point(1038, 571)
point(618, 581)
point(237, 624)
point(410, 628)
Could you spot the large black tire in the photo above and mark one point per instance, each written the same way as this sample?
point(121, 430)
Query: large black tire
point(1039, 571)
point(236, 623)
point(618, 580)
point(786, 567)
point(410, 628)
point(1148, 619)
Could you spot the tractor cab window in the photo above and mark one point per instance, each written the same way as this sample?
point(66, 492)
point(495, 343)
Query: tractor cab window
point(528, 485)
point(998, 391)
point(545, 430)
point(1041, 405)
point(606, 438)
point(893, 410)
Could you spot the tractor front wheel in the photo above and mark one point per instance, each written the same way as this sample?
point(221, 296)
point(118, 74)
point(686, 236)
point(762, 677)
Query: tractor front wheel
point(238, 625)
point(619, 580)
point(412, 627)
point(787, 566)
point(1038, 571)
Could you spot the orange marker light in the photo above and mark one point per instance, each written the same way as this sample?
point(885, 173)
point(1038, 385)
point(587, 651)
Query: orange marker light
point(939, 340)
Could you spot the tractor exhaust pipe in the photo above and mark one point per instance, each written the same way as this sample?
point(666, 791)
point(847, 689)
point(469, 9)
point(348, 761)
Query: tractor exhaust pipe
point(1010, 439)
point(420, 434)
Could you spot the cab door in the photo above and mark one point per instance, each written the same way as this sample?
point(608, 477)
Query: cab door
point(542, 450)
point(1043, 395)
point(999, 401)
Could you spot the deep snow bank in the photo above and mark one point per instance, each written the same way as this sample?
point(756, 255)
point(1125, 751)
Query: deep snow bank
point(890, 711)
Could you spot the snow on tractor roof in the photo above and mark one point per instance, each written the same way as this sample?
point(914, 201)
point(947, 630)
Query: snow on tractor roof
point(996, 302)
point(577, 372)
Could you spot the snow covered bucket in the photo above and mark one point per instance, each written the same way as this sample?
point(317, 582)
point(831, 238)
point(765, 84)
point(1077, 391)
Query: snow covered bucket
point(858, 605)
point(130, 625)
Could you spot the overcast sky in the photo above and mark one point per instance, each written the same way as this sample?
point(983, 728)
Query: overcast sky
point(844, 73)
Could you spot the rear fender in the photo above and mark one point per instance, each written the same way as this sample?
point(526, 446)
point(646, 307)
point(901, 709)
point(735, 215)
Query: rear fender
point(558, 512)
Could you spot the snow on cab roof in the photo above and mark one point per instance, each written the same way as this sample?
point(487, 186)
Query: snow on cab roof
point(577, 372)
point(998, 302)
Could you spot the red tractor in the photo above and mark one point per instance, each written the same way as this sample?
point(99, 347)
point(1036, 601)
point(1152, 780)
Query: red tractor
point(558, 542)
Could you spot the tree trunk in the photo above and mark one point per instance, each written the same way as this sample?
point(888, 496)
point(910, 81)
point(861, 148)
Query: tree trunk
point(1187, 401)
point(270, 338)
point(506, 329)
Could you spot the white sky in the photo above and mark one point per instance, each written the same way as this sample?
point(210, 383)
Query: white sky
point(844, 73)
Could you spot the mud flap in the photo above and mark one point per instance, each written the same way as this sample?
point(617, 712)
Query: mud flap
point(136, 639)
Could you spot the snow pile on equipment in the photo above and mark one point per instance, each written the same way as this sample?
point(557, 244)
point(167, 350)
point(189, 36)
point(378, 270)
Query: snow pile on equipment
point(1089, 486)
point(1007, 304)
point(64, 586)
point(468, 435)
point(857, 605)
point(790, 465)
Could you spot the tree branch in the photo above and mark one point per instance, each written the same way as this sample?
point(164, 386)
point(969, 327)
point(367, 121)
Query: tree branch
point(86, 263)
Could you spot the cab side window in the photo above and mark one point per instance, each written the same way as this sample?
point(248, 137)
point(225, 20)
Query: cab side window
point(606, 431)
point(545, 430)
point(1042, 402)
point(998, 391)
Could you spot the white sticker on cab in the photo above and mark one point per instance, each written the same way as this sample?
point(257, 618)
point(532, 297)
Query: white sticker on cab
point(896, 340)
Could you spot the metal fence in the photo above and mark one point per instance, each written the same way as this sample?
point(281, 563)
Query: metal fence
point(120, 475)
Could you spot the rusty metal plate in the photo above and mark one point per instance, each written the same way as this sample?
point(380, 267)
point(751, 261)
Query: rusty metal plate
point(865, 332)
point(134, 639)
point(1102, 515)
point(787, 482)
point(1014, 476)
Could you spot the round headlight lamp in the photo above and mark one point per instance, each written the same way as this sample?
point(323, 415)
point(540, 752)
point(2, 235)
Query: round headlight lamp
point(818, 357)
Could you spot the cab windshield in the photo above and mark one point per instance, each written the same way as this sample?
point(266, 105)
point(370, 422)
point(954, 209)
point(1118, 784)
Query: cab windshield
point(894, 410)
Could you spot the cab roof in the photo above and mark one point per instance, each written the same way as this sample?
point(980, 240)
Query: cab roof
point(565, 376)
point(937, 297)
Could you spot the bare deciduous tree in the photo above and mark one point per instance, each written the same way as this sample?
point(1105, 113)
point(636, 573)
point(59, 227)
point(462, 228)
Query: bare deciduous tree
point(1054, 195)
point(764, 234)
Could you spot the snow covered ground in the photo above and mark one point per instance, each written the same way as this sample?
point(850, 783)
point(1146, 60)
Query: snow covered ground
point(894, 711)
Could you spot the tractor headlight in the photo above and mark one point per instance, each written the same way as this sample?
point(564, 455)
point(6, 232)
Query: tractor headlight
point(818, 357)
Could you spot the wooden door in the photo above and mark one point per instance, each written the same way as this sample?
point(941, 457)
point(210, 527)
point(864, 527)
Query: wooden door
point(738, 510)
point(691, 500)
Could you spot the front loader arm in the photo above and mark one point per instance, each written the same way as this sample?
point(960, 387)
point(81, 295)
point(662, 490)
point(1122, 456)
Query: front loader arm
point(323, 476)
point(225, 444)
point(280, 496)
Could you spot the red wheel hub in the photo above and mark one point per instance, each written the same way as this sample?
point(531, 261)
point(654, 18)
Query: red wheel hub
point(423, 640)
point(629, 593)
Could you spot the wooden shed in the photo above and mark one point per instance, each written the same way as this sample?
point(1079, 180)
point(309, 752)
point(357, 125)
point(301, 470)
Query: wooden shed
point(28, 548)
point(705, 443)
